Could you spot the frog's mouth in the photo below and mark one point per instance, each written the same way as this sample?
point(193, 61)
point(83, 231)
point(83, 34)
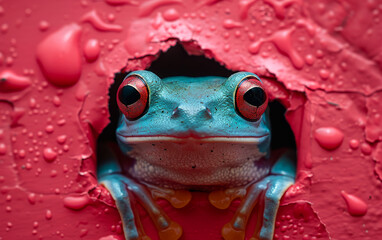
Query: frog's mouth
point(193, 138)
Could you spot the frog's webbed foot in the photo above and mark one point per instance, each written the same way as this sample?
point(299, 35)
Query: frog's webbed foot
point(271, 189)
point(119, 187)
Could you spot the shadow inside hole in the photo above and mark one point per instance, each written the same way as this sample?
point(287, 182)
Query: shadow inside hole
point(282, 134)
point(177, 62)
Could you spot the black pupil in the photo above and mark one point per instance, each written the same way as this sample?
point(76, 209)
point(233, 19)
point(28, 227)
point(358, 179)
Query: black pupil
point(255, 96)
point(128, 95)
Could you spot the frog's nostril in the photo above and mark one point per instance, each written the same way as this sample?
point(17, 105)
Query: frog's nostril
point(175, 113)
point(207, 113)
point(193, 112)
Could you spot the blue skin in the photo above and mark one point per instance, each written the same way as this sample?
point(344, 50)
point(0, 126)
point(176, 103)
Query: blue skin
point(191, 112)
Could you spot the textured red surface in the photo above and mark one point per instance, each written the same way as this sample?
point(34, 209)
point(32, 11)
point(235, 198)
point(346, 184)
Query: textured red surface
point(322, 59)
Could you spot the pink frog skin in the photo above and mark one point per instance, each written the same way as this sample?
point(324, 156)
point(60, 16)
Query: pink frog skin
point(195, 133)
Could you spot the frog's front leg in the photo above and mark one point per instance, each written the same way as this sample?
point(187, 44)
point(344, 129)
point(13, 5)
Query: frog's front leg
point(119, 186)
point(271, 187)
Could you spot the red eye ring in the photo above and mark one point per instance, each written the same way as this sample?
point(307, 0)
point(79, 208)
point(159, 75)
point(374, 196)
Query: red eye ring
point(133, 97)
point(251, 100)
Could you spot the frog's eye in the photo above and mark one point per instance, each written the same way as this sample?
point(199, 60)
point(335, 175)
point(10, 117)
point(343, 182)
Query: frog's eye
point(133, 97)
point(251, 100)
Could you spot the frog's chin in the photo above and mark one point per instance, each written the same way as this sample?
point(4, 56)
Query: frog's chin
point(195, 139)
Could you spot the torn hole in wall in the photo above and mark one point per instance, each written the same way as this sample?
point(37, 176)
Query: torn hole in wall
point(179, 61)
point(188, 59)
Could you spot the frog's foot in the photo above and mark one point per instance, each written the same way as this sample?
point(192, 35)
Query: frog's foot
point(177, 198)
point(118, 185)
point(271, 189)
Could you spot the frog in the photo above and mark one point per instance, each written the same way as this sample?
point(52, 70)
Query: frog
point(181, 134)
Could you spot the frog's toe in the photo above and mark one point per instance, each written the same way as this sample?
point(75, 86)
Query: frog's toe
point(235, 229)
point(277, 186)
point(120, 195)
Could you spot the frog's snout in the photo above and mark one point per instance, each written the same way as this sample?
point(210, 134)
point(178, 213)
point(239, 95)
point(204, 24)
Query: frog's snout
point(191, 112)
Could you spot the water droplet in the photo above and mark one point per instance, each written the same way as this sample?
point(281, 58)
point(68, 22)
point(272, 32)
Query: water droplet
point(171, 15)
point(91, 50)
point(309, 59)
point(32, 103)
point(354, 143)
point(49, 154)
point(8, 209)
point(61, 46)
point(32, 198)
point(111, 17)
point(8, 198)
point(324, 74)
point(35, 224)
point(22, 153)
point(283, 42)
point(43, 26)
point(61, 122)
point(61, 139)
point(49, 129)
point(56, 101)
point(76, 202)
point(48, 214)
point(3, 149)
point(255, 47)
point(229, 24)
point(227, 47)
point(28, 166)
point(356, 206)
point(11, 82)
point(53, 173)
point(4, 28)
point(329, 138)
point(84, 232)
point(93, 18)
point(366, 148)
point(319, 53)
point(65, 148)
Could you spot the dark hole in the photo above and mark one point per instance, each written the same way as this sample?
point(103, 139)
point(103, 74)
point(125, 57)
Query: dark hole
point(128, 95)
point(177, 62)
point(282, 135)
point(255, 96)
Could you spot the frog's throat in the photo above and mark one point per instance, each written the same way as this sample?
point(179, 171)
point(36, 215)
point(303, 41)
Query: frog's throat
point(217, 139)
